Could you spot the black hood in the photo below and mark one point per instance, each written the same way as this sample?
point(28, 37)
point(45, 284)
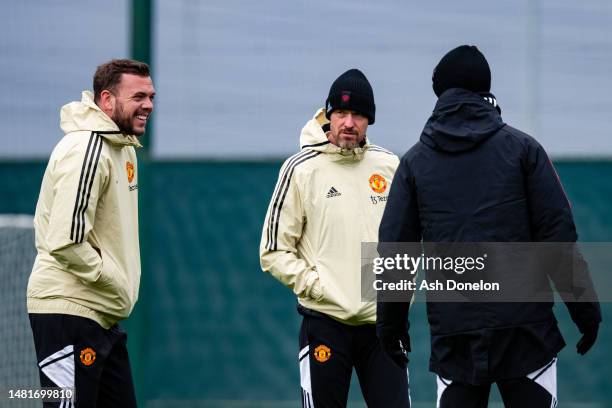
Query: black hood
point(460, 121)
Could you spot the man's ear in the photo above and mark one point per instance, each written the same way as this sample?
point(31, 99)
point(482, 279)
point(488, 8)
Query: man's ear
point(107, 102)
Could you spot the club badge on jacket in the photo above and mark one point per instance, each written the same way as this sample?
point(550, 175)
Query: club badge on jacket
point(378, 183)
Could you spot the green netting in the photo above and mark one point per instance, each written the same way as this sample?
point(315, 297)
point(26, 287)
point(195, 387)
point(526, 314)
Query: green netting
point(17, 356)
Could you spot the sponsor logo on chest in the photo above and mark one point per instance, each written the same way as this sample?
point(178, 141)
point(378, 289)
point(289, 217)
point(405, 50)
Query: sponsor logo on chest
point(377, 183)
point(333, 192)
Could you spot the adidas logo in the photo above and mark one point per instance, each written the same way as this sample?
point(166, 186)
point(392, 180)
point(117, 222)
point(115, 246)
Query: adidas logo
point(333, 193)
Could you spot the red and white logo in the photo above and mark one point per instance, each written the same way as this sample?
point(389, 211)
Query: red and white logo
point(378, 183)
point(129, 167)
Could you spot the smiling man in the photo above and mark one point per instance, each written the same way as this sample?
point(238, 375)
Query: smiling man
point(320, 212)
point(87, 272)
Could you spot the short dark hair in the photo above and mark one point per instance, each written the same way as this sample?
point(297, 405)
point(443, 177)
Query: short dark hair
point(108, 75)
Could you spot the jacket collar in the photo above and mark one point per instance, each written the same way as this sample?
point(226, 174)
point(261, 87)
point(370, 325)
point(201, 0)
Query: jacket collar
point(85, 115)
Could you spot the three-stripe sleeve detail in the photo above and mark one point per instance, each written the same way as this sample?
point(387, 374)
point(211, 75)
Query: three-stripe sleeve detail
point(280, 193)
point(376, 148)
point(76, 203)
point(86, 179)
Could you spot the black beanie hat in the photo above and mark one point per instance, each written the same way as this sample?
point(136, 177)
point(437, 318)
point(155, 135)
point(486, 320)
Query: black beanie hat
point(352, 91)
point(463, 67)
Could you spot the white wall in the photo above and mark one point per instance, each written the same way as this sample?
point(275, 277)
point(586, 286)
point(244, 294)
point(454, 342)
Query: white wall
point(49, 51)
point(239, 79)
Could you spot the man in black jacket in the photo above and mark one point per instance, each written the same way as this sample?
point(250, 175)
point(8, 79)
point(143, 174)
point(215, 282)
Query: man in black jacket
point(473, 178)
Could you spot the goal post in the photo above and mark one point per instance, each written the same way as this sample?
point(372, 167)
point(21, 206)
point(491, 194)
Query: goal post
point(17, 355)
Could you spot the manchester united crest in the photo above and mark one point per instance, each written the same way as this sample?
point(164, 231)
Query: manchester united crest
point(322, 353)
point(88, 356)
point(378, 183)
point(130, 171)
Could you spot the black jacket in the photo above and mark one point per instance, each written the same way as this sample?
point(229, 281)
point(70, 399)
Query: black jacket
point(472, 178)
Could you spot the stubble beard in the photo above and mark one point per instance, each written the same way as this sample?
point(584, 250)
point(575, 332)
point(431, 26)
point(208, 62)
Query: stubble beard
point(347, 145)
point(344, 144)
point(124, 121)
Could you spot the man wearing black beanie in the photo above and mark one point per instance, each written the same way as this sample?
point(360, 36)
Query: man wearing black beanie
point(351, 91)
point(472, 178)
point(328, 199)
point(463, 67)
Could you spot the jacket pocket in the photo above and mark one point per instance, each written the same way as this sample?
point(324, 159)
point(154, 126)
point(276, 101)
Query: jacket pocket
point(114, 287)
point(317, 292)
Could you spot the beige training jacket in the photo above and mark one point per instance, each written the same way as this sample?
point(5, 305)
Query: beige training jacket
point(326, 202)
point(86, 221)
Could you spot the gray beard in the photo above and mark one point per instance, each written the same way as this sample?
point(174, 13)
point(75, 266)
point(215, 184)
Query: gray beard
point(343, 144)
point(348, 145)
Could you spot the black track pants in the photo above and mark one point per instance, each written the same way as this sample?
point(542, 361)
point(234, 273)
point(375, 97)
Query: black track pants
point(78, 353)
point(328, 352)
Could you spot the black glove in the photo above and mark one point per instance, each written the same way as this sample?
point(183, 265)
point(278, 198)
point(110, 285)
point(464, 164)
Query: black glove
point(589, 335)
point(396, 346)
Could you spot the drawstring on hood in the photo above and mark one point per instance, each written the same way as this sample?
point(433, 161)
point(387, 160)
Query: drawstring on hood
point(461, 120)
point(85, 115)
